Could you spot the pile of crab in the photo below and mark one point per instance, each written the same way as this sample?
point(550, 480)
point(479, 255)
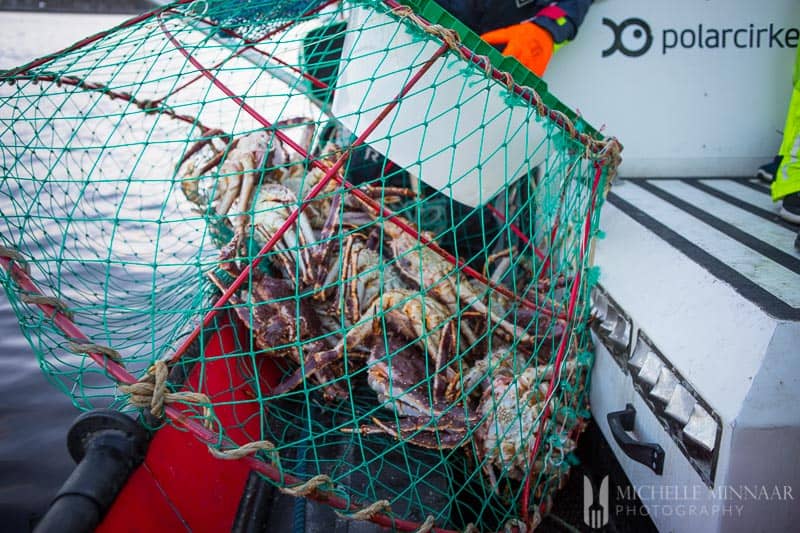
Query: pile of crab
point(350, 288)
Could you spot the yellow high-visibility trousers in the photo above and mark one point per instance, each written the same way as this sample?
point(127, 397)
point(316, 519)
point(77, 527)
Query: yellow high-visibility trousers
point(787, 179)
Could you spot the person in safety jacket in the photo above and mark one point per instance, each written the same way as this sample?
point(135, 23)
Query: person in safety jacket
point(784, 170)
point(529, 30)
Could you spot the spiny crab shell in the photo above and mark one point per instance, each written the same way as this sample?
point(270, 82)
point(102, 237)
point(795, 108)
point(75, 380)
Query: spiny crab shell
point(511, 406)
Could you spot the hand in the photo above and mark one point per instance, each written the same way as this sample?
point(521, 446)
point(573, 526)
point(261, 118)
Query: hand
point(532, 45)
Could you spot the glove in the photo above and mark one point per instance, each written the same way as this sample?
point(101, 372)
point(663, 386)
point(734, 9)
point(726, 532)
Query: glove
point(532, 45)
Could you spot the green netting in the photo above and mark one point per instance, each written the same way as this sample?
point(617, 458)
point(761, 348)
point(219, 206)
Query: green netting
point(417, 334)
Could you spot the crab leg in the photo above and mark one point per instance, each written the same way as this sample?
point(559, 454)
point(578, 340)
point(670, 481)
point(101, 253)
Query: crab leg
point(504, 263)
point(433, 321)
point(442, 356)
point(445, 431)
point(306, 237)
point(466, 331)
point(292, 244)
point(309, 131)
point(390, 195)
point(281, 255)
point(474, 301)
point(246, 192)
point(317, 362)
point(191, 177)
point(313, 363)
point(226, 197)
point(352, 302)
point(322, 250)
point(345, 293)
point(356, 220)
point(272, 210)
point(330, 279)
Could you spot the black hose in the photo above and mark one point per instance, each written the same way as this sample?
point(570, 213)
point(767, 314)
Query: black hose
point(108, 446)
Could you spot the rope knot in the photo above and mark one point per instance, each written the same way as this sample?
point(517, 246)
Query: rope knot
point(151, 391)
point(449, 36)
point(309, 487)
point(149, 106)
point(403, 11)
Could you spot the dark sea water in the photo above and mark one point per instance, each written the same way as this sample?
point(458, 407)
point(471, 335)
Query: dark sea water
point(34, 418)
point(34, 415)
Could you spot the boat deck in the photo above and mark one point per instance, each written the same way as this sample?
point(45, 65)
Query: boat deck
point(728, 226)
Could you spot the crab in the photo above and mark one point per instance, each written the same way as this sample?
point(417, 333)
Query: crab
point(363, 276)
point(399, 373)
point(239, 175)
point(300, 181)
point(303, 249)
point(423, 267)
point(281, 325)
point(503, 358)
point(511, 407)
point(359, 262)
point(425, 322)
point(431, 326)
point(255, 157)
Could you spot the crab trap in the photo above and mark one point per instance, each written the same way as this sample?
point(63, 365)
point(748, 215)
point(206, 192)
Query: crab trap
point(394, 221)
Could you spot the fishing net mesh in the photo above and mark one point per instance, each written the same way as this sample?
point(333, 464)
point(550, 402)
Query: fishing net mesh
point(327, 229)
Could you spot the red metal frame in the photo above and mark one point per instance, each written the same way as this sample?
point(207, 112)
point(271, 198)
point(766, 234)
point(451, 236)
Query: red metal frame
point(562, 347)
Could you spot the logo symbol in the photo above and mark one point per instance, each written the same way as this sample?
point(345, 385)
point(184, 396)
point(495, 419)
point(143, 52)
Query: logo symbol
point(595, 510)
point(641, 37)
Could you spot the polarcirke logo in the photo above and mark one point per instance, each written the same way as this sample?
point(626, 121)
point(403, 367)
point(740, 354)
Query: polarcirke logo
point(633, 37)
